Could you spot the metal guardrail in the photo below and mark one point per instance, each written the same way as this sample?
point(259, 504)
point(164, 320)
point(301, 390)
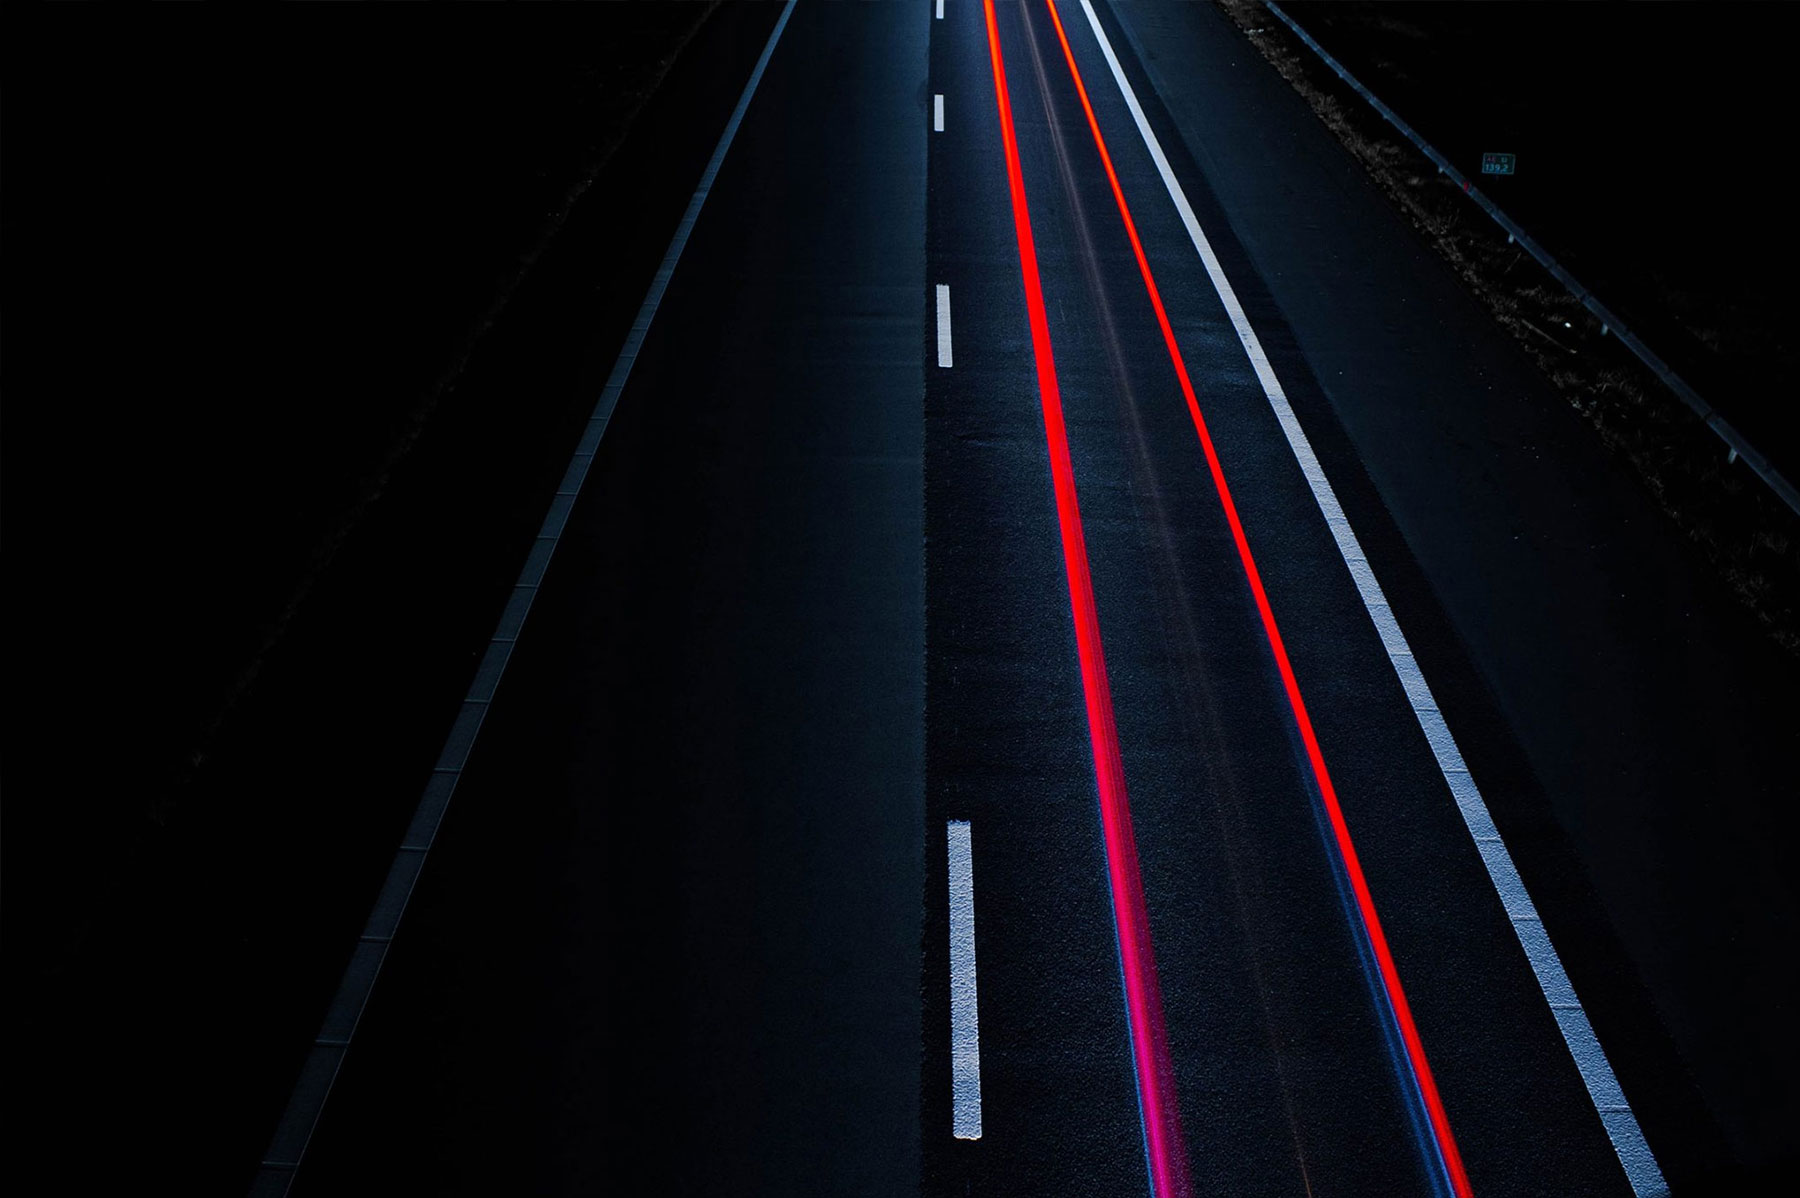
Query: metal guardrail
point(1609, 322)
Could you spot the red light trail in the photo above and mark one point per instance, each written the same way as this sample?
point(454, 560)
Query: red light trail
point(1149, 1038)
point(1365, 902)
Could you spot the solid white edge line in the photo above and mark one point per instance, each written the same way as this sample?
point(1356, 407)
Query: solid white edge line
point(1603, 1087)
point(312, 1088)
point(965, 1030)
point(937, 113)
point(943, 324)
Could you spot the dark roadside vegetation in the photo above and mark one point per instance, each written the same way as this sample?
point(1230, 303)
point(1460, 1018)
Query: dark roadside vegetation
point(302, 313)
point(1645, 165)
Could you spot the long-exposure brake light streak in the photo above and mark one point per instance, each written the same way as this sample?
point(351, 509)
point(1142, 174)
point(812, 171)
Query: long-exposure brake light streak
point(1365, 902)
point(1149, 1038)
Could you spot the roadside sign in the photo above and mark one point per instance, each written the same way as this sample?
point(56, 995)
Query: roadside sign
point(1497, 164)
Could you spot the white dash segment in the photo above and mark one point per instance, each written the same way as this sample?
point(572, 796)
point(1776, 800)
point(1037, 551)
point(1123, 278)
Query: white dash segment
point(943, 323)
point(965, 1032)
point(937, 113)
point(1641, 1169)
point(940, 9)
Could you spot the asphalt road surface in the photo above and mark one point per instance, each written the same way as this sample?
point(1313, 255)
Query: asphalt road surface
point(905, 536)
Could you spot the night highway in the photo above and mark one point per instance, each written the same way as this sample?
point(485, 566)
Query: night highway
point(1046, 644)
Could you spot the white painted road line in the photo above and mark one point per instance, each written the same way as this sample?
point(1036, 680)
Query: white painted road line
point(943, 323)
point(940, 9)
point(1596, 1072)
point(965, 1032)
point(937, 113)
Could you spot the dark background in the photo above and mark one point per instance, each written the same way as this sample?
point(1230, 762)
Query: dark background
point(302, 314)
point(246, 263)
